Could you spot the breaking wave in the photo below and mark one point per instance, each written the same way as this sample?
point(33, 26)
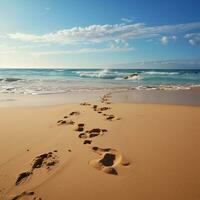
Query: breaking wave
point(105, 74)
point(54, 81)
point(161, 73)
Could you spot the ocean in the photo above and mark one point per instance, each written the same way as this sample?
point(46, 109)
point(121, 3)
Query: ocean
point(55, 81)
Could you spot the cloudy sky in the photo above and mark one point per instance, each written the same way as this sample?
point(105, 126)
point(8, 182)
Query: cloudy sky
point(99, 33)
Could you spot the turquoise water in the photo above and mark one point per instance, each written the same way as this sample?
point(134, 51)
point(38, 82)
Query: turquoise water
point(52, 81)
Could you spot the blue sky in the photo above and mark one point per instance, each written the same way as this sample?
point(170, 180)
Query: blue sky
point(103, 33)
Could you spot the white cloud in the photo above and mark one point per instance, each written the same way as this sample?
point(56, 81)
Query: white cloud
point(105, 33)
point(6, 47)
point(25, 37)
point(119, 44)
point(126, 20)
point(193, 38)
point(82, 51)
point(165, 39)
point(174, 37)
point(7, 52)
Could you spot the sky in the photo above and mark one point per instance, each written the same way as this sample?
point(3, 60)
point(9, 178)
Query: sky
point(99, 33)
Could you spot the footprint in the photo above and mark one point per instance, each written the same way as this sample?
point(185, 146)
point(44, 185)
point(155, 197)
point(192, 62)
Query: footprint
point(112, 117)
point(83, 135)
point(40, 160)
point(26, 194)
point(105, 99)
point(95, 107)
point(85, 104)
point(108, 161)
point(103, 109)
point(87, 142)
point(92, 133)
point(47, 160)
point(68, 122)
point(22, 177)
point(97, 130)
point(80, 127)
point(75, 113)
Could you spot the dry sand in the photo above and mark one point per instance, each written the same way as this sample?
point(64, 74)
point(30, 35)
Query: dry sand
point(131, 152)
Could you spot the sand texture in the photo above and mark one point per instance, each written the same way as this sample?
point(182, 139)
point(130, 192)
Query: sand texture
point(100, 150)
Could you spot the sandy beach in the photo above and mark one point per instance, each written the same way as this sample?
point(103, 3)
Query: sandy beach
point(100, 150)
point(99, 100)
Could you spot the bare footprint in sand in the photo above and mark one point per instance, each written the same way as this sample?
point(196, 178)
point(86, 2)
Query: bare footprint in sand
point(106, 99)
point(69, 121)
point(47, 160)
point(65, 122)
point(80, 127)
point(109, 160)
point(103, 109)
point(85, 104)
point(92, 133)
point(23, 177)
point(87, 142)
point(74, 113)
point(26, 195)
point(111, 117)
point(95, 107)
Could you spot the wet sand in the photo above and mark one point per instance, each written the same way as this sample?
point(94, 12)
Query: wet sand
point(173, 97)
point(100, 150)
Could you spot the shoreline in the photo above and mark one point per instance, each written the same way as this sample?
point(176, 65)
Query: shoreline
point(167, 97)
